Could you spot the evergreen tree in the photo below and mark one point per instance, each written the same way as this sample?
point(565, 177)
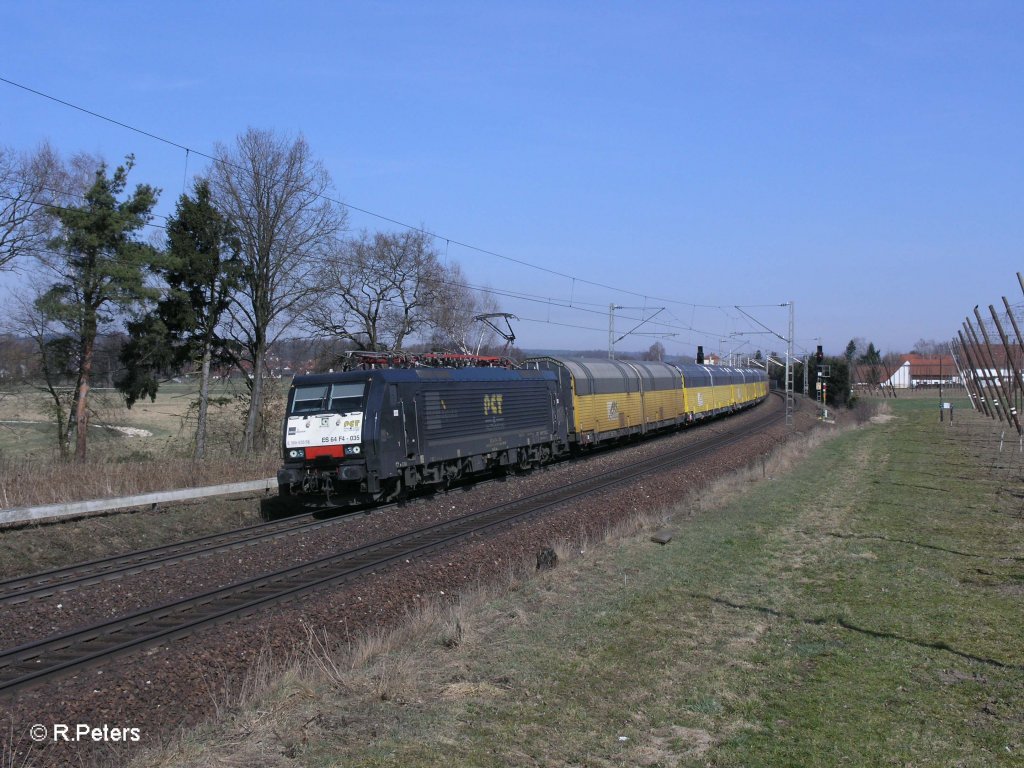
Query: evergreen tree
point(839, 382)
point(101, 269)
point(202, 270)
point(873, 359)
point(871, 356)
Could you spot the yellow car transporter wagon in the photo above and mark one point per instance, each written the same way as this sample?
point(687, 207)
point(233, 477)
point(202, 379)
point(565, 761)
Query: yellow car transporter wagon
point(612, 399)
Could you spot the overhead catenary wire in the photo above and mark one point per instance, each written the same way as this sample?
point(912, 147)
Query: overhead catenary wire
point(522, 296)
point(578, 306)
point(563, 303)
point(349, 206)
point(573, 303)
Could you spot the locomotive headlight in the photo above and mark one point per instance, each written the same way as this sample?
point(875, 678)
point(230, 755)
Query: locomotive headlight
point(297, 453)
point(353, 450)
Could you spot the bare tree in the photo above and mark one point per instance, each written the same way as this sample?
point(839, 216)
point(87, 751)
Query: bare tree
point(36, 189)
point(17, 361)
point(655, 352)
point(452, 316)
point(379, 290)
point(271, 190)
point(31, 184)
point(929, 347)
point(55, 358)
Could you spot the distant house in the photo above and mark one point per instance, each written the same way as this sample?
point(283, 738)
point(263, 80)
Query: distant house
point(915, 370)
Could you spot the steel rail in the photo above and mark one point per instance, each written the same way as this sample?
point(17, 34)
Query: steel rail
point(45, 583)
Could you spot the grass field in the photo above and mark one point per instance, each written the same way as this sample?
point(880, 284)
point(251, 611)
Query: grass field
point(28, 427)
point(145, 448)
point(862, 609)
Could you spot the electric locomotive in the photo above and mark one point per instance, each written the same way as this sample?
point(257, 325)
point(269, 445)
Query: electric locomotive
point(365, 436)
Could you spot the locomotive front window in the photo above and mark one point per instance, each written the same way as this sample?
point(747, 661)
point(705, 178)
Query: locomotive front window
point(309, 399)
point(347, 397)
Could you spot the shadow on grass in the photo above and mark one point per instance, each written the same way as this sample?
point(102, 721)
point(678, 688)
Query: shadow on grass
point(846, 624)
point(874, 537)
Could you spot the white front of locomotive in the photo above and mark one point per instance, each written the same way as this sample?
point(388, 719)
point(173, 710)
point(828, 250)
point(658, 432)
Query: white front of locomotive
point(325, 421)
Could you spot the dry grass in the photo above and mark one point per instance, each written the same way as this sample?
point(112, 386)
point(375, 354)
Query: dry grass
point(138, 450)
point(29, 482)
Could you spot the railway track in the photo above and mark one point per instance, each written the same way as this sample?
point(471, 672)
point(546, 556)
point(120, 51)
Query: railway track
point(33, 662)
point(45, 583)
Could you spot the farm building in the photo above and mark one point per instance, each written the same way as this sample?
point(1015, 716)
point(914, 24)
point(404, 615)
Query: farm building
point(925, 371)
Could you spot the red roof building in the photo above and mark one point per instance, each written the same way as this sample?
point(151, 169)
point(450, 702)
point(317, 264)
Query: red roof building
point(916, 370)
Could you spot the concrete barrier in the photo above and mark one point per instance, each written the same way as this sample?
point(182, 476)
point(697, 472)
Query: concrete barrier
point(79, 508)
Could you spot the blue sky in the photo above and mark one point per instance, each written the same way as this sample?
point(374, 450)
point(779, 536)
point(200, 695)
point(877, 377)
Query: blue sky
point(864, 160)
